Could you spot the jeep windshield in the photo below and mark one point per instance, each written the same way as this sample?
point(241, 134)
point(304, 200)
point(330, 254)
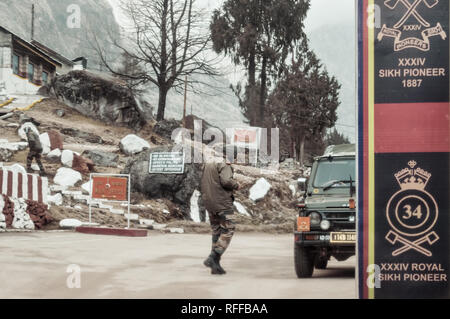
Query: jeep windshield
point(337, 172)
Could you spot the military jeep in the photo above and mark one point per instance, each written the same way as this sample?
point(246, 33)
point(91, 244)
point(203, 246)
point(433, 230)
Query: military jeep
point(325, 226)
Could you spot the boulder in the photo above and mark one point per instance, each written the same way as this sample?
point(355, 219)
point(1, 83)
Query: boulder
point(176, 230)
point(241, 209)
point(56, 140)
point(56, 199)
point(70, 223)
point(13, 147)
point(60, 113)
point(98, 97)
point(82, 165)
point(100, 158)
point(88, 137)
point(259, 190)
point(67, 177)
point(5, 154)
point(165, 128)
point(194, 207)
point(133, 144)
point(178, 188)
point(77, 162)
point(21, 218)
point(38, 213)
point(54, 156)
point(86, 187)
point(45, 142)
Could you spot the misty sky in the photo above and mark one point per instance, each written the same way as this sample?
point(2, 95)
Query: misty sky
point(321, 12)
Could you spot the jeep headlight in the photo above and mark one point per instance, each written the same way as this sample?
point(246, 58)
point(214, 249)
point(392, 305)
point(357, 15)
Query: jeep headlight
point(315, 218)
point(325, 224)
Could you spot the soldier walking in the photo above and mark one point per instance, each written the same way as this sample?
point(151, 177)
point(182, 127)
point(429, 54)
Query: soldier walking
point(217, 193)
point(34, 143)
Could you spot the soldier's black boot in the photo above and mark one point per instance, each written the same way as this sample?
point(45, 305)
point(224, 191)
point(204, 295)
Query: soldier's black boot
point(217, 260)
point(211, 263)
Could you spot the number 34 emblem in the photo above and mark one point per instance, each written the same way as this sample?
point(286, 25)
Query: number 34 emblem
point(412, 212)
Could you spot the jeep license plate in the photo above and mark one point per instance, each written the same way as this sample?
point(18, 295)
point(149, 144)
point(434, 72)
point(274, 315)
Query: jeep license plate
point(343, 238)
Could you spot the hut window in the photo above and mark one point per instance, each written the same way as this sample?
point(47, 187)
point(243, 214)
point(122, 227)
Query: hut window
point(15, 64)
point(30, 72)
point(45, 77)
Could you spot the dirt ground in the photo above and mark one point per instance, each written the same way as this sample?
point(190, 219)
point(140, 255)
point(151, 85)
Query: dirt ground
point(39, 265)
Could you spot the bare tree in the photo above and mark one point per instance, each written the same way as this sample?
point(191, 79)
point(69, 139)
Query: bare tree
point(169, 40)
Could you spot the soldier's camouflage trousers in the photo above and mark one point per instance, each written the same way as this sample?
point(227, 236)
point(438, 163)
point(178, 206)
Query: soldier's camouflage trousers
point(222, 231)
point(37, 156)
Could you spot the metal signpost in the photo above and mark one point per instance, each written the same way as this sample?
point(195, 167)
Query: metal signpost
point(110, 188)
point(403, 149)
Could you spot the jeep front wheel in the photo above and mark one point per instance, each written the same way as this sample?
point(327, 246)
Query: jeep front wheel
point(304, 262)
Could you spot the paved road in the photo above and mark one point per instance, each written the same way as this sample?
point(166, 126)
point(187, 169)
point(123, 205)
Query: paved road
point(34, 265)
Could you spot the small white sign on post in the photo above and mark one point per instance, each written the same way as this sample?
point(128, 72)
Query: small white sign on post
point(166, 163)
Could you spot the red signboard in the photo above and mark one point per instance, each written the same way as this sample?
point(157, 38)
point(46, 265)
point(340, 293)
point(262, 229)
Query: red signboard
point(110, 188)
point(245, 136)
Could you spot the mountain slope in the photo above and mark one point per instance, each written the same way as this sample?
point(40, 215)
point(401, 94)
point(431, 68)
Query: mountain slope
point(52, 27)
point(335, 46)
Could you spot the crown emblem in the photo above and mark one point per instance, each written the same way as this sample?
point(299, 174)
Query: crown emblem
point(412, 177)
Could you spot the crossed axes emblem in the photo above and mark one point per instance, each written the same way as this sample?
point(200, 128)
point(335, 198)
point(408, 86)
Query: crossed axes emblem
point(393, 238)
point(412, 10)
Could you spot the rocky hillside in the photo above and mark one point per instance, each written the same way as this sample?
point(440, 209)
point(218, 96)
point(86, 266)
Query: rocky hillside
point(52, 29)
point(76, 145)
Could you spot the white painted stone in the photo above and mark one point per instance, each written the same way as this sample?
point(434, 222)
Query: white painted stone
point(55, 154)
point(259, 190)
point(57, 188)
point(195, 210)
point(72, 193)
point(78, 207)
point(56, 199)
point(117, 211)
point(165, 211)
point(14, 147)
point(67, 177)
point(147, 222)
point(21, 130)
point(293, 190)
point(86, 187)
point(2, 217)
point(21, 218)
point(241, 209)
point(133, 144)
point(131, 216)
point(35, 167)
point(159, 226)
point(67, 158)
point(45, 142)
point(103, 206)
point(70, 223)
point(176, 230)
